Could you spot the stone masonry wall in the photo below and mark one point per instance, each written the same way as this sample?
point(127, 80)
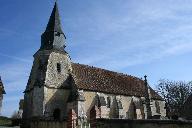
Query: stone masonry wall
point(154, 109)
point(33, 98)
point(55, 99)
point(46, 85)
point(117, 123)
point(54, 78)
point(56, 92)
point(27, 111)
point(48, 124)
point(126, 105)
point(37, 106)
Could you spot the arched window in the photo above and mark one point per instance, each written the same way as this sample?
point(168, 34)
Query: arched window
point(97, 101)
point(108, 102)
point(115, 109)
point(57, 114)
point(120, 106)
point(134, 111)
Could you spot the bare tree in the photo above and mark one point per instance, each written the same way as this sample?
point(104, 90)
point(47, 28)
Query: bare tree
point(15, 115)
point(175, 93)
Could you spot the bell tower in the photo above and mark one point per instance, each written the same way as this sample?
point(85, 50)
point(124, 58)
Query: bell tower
point(48, 86)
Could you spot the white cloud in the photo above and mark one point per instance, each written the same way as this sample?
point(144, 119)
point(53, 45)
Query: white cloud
point(147, 31)
point(133, 33)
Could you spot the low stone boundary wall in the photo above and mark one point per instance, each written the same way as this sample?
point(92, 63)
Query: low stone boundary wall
point(48, 124)
point(125, 123)
point(117, 123)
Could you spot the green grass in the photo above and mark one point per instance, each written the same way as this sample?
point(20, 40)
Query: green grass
point(4, 121)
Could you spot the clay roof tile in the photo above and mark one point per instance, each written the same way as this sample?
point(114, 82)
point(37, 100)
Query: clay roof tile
point(101, 80)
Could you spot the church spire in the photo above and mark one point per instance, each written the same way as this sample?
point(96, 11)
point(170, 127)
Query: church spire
point(53, 37)
point(2, 87)
point(54, 24)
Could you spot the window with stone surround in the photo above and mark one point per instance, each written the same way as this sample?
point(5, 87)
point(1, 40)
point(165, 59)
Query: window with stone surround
point(120, 106)
point(108, 102)
point(157, 106)
point(134, 111)
point(58, 67)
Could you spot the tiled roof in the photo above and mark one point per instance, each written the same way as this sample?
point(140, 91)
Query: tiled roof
point(101, 80)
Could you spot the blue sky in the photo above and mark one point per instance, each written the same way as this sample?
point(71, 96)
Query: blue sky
point(135, 37)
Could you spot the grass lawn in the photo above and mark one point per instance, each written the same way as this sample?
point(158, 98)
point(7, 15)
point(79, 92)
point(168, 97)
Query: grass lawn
point(4, 121)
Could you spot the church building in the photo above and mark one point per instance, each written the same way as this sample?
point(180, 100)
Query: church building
point(57, 86)
point(2, 92)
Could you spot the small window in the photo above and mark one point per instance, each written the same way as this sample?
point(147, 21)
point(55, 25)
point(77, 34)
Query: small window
point(120, 106)
point(58, 67)
point(108, 102)
point(134, 111)
point(58, 34)
point(157, 105)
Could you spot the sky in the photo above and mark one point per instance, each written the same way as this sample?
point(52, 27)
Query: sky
point(135, 37)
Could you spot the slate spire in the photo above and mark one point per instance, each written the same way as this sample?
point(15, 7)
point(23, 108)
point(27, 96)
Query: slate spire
point(54, 24)
point(2, 87)
point(53, 37)
point(1, 83)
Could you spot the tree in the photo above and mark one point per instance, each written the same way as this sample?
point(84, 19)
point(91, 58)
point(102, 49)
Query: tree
point(175, 93)
point(15, 115)
point(16, 118)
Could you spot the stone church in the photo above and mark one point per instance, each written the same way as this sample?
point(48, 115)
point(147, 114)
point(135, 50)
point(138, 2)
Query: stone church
point(2, 92)
point(57, 85)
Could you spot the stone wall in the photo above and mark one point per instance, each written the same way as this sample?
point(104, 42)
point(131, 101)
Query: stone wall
point(55, 78)
point(57, 81)
point(48, 124)
point(128, 104)
point(27, 111)
point(48, 85)
point(37, 103)
point(34, 97)
point(118, 123)
point(154, 108)
point(55, 99)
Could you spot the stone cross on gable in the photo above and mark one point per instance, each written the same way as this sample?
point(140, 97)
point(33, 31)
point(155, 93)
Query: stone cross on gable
point(147, 99)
